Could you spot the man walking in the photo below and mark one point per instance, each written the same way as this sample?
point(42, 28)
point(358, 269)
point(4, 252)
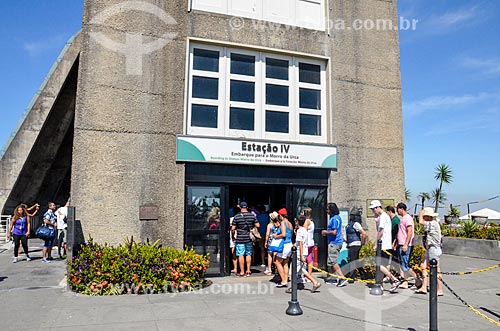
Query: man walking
point(384, 226)
point(62, 229)
point(335, 241)
point(242, 224)
point(405, 243)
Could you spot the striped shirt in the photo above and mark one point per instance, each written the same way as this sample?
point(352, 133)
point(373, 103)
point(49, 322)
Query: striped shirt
point(244, 222)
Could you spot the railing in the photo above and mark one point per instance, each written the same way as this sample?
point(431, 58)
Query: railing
point(4, 227)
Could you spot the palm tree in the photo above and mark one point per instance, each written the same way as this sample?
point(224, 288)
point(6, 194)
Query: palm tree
point(443, 174)
point(407, 194)
point(423, 196)
point(438, 197)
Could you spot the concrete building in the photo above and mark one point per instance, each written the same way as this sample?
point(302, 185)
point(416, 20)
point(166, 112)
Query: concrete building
point(160, 110)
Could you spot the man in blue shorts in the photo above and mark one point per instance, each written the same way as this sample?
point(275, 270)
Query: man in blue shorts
point(335, 241)
point(242, 224)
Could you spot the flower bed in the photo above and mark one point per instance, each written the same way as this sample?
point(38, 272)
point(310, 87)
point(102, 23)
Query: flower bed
point(134, 267)
point(367, 253)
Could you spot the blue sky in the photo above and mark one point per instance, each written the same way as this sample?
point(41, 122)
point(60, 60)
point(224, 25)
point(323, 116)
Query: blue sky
point(450, 67)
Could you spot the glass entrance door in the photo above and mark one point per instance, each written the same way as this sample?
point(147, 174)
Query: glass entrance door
point(314, 198)
point(205, 228)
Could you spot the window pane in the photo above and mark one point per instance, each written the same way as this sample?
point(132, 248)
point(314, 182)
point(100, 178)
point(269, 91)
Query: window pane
point(277, 69)
point(204, 116)
point(276, 95)
point(310, 125)
point(206, 60)
point(242, 91)
point(310, 99)
point(242, 64)
point(309, 73)
point(241, 119)
point(276, 121)
point(205, 88)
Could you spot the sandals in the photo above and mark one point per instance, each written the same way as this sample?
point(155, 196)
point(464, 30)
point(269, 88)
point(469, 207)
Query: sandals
point(248, 274)
point(421, 292)
point(268, 273)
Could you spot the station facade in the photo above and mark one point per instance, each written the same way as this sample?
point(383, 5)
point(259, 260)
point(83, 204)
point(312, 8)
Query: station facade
point(182, 106)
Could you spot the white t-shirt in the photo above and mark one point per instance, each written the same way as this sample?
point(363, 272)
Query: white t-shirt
point(384, 222)
point(310, 234)
point(302, 236)
point(61, 214)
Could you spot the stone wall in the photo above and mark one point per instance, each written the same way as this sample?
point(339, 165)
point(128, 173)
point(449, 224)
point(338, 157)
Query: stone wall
point(125, 127)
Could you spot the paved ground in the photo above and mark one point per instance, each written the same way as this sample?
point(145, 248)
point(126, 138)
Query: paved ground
point(32, 297)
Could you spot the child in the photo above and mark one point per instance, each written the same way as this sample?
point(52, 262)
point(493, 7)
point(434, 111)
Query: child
point(301, 243)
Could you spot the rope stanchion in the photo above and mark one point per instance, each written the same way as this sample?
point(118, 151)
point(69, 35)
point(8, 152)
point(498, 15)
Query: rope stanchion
point(469, 306)
point(461, 273)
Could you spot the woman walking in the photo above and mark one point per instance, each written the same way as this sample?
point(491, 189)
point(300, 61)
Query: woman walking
point(282, 258)
point(20, 230)
point(427, 218)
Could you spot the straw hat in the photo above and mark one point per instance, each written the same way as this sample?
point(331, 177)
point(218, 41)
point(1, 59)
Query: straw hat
point(429, 211)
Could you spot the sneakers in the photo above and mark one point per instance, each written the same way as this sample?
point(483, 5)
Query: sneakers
point(28, 258)
point(14, 259)
point(315, 288)
point(343, 282)
point(281, 285)
point(45, 260)
point(395, 285)
point(330, 280)
point(263, 265)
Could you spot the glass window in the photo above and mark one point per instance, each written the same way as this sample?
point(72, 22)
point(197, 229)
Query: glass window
point(242, 91)
point(276, 95)
point(277, 69)
point(241, 119)
point(204, 116)
point(205, 88)
point(310, 125)
point(206, 60)
point(242, 64)
point(276, 121)
point(310, 99)
point(309, 73)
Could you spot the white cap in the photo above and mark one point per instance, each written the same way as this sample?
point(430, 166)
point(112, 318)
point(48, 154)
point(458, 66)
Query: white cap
point(375, 204)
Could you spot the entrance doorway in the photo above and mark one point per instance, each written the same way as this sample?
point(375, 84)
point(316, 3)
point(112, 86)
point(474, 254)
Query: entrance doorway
point(213, 191)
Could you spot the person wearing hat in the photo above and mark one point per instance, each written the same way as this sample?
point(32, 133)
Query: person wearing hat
point(384, 233)
point(240, 232)
point(427, 218)
point(281, 262)
point(355, 237)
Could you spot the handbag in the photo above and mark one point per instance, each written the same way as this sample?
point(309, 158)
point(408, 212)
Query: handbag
point(255, 234)
point(45, 233)
point(276, 245)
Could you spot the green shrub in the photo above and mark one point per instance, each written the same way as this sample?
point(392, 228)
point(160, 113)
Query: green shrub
point(135, 268)
point(367, 254)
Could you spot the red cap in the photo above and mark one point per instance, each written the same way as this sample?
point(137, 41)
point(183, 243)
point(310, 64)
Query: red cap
point(282, 211)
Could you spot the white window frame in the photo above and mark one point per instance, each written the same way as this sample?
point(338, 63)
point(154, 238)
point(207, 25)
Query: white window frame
point(255, 106)
point(291, 100)
point(260, 13)
point(322, 88)
point(224, 104)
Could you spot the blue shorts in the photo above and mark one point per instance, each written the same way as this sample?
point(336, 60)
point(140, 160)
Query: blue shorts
point(404, 258)
point(48, 243)
point(244, 249)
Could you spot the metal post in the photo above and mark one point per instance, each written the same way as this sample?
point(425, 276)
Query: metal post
point(377, 287)
point(293, 305)
point(433, 303)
